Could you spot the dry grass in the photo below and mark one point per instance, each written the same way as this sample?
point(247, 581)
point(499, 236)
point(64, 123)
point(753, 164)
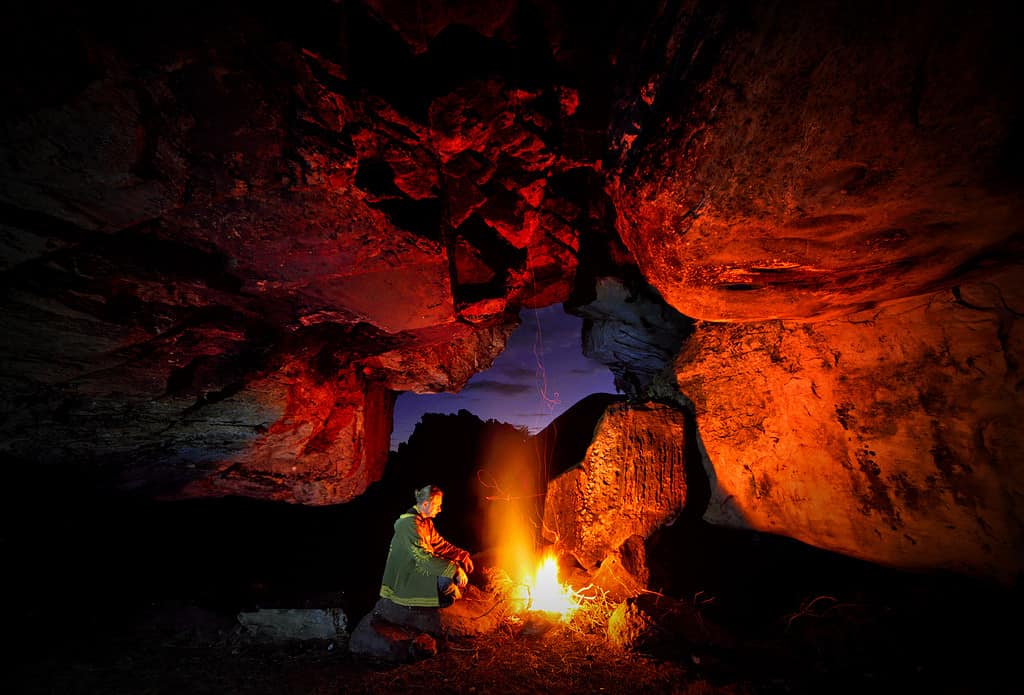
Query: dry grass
point(564, 659)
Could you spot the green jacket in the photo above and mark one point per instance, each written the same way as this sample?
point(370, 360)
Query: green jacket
point(417, 557)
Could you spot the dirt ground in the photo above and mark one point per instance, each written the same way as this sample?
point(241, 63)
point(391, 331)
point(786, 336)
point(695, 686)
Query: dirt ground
point(146, 601)
point(498, 664)
point(824, 646)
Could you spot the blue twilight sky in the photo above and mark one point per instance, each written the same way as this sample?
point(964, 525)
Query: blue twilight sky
point(546, 350)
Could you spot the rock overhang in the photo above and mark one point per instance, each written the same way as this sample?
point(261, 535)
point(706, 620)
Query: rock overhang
point(226, 249)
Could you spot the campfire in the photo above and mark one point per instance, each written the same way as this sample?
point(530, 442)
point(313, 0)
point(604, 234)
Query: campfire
point(526, 577)
point(541, 591)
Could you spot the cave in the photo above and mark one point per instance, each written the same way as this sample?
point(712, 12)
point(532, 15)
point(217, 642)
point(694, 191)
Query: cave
point(233, 234)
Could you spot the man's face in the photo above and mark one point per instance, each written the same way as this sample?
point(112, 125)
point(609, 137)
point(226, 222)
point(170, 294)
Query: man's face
point(431, 507)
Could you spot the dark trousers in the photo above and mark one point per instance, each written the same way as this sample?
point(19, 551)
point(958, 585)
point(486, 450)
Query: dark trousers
point(446, 591)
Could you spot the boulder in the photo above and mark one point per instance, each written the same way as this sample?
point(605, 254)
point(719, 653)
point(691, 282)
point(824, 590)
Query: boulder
point(622, 573)
point(891, 435)
point(631, 481)
point(380, 640)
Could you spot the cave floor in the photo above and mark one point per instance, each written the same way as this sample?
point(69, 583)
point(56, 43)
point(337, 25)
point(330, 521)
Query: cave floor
point(821, 648)
point(117, 599)
point(560, 662)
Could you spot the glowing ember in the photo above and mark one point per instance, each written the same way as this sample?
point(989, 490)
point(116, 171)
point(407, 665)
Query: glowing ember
point(543, 591)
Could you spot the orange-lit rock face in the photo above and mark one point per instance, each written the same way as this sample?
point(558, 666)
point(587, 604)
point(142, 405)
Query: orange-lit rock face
point(327, 447)
point(892, 435)
point(811, 160)
point(631, 481)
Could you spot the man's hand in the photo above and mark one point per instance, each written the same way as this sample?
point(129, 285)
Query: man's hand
point(467, 564)
point(461, 580)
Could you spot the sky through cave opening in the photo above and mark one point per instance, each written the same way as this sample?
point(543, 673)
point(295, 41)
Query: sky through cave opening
point(541, 373)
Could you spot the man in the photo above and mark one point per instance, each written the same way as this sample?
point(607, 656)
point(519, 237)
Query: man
point(423, 569)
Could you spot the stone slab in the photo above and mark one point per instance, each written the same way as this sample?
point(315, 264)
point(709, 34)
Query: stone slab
point(282, 624)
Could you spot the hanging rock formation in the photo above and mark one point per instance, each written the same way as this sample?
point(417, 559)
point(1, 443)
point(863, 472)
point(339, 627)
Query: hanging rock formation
point(231, 233)
point(632, 331)
point(808, 160)
point(229, 241)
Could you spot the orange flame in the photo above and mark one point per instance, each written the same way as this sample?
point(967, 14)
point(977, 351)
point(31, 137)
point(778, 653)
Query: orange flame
point(542, 591)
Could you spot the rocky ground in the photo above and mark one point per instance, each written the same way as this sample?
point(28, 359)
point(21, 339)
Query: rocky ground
point(875, 631)
point(143, 658)
point(113, 596)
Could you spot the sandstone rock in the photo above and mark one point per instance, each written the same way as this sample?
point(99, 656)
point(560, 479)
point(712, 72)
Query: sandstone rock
point(443, 357)
point(224, 251)
point(891, 436)
point(631, 481)
point(789, 161)
point(623, 573)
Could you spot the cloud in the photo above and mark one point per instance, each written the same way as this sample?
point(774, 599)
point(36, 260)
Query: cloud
point(501, 387)
point(519, 373)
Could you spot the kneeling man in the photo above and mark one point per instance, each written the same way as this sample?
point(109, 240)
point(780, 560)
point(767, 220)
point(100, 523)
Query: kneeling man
point(423, 569)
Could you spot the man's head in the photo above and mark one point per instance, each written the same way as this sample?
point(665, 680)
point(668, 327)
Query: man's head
point(428, 500)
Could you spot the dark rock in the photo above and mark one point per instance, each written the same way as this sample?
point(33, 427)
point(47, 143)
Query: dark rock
point(228, 261)
point(380, 640)
point(633, 331)
point(282, 624)
point(660, 624)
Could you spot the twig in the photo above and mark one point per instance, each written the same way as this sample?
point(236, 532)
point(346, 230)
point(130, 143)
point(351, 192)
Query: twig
point(806, 609)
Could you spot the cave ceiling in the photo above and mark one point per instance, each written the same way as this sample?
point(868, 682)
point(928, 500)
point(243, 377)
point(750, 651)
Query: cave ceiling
point(231, 233)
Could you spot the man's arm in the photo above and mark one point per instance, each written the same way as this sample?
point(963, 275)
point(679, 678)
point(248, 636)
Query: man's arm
point(427, 561)
point(449, 551)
